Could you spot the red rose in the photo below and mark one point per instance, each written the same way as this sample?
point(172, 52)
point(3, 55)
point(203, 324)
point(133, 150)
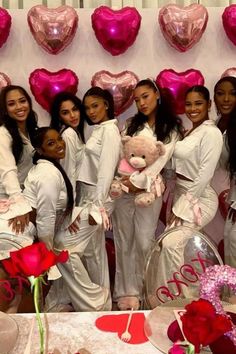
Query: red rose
point(33, 260)
point(202, 325)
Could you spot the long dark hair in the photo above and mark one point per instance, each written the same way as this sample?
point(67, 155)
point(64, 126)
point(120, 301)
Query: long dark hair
point(101, 93)
point(56, 121)
point(230, 129)
point(166, 120)
point(37, 142)
point(11, 124)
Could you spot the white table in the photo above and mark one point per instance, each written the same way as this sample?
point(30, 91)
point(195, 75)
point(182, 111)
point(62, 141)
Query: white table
point(68, 332)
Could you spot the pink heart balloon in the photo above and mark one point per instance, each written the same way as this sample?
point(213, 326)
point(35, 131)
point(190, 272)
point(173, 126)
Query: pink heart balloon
point(4, 80)
point(120, 85)
point(53, 29)
point(116, 30)
point(178, 84)
point(45, 84)
point(229, 72)
point(229, 22)
point(183, 27)
point(5, 25)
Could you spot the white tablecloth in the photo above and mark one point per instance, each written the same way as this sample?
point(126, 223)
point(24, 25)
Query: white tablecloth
point(68, 332)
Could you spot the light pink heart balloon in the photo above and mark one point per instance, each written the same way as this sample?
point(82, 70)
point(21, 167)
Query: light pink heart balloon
point(53, 29)
point(45, 84)
point(5, 25)
point(183, 27)
point(120, 85)
point(4, 80)
point(229, 22)
point(178, 84)
point(116, 30)
point(229, 72)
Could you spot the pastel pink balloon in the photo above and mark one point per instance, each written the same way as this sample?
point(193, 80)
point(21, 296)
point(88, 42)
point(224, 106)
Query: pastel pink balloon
point(183, 27)
point(53, 29)
point(178, 84)
point(229, 22)
point(120, 85)
point(4, 80)
point(45, 84)
point(5, 25)
point(116, 30)
point(229, 72)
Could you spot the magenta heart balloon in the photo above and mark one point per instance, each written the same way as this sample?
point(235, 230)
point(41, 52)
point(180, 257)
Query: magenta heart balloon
point(116, 30)
point(4, 80)
point(5, 25)
point(120, 85)
point(229, 22)
point(178, 84)
point(53, 29)
point(229, 72)
point(45, 84)
point(183, 27)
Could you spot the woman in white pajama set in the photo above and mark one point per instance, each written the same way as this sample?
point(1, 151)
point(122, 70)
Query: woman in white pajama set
point(96, 173)
point(50, 193)
point(225, 100)
point(18, 123)
point(133, 226)
point(195, 202)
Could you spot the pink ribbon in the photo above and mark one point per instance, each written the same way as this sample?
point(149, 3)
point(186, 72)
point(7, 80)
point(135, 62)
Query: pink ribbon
point(159, 186)
point(105, 219)
point(196, 209)
point(5, 205)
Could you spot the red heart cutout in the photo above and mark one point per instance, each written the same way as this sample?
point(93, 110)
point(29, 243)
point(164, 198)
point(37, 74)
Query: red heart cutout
point(116, 30)
point(178, 84)
point(53, 29)
point(45, 84)
point(183, 27)
point(120, 85)
point(5, 25)
point(117, 323)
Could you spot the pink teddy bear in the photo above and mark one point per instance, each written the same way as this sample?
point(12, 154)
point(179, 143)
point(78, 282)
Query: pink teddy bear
point(138, 153)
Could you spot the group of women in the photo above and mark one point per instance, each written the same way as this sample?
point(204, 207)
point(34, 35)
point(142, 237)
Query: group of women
point(54, 186)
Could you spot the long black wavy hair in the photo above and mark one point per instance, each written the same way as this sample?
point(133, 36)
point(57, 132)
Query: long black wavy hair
point(11, 124)
point(37, 142)
point(56, 121)
point(230, 129)
point(166, 120)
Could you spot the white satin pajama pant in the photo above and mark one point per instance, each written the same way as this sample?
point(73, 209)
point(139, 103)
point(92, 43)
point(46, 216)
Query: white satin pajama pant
point(230, 243)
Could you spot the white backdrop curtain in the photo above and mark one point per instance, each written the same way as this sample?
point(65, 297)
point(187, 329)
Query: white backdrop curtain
point(115, 4)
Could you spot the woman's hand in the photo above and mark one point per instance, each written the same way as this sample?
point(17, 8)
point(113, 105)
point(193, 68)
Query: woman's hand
point(74, 227)
point(232, 215)
point(132, 189)
point(19, 223)
point(174, 221)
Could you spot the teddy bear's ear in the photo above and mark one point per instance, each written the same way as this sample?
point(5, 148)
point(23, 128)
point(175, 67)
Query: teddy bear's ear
point(125, 139)
point(160, 146)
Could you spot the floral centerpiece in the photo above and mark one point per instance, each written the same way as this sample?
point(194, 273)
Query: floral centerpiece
point(33, 262)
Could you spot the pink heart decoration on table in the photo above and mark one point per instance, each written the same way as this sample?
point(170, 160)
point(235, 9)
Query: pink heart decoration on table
point(5, 25)
point(116, 30)
point(229, 22)
point(120, 85)
point(229, 72)
point(178, 83)
point(45, 84)
point(183, 27)
point(53, 29)
point(4, 80)
point(117, 324)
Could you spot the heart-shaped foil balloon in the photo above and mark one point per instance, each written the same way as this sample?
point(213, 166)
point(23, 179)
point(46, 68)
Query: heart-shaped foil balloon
point(120, 85)
point(5, 25)
point(116, 30)
point(183, 27)
point(53, 29)
point(229, 72)
point(229, 22)
point(45, 84)
point(178, 83)
point(4, 80)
